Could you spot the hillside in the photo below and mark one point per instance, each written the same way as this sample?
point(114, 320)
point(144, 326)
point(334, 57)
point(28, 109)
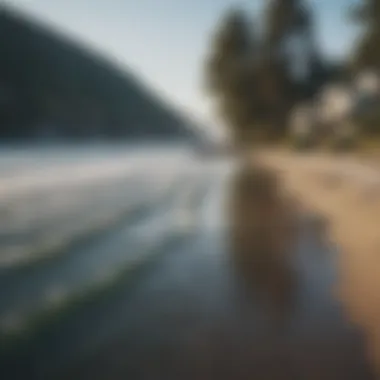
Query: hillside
point(50, 87)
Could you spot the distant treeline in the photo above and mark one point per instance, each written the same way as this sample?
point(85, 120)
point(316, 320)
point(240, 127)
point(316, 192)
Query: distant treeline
point(51, 88)
point(256, 70)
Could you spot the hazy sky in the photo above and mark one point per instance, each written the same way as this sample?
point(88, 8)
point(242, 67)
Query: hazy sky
point(164, 41)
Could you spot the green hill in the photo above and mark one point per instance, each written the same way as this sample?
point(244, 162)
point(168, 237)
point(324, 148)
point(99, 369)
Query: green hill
point(52, 87)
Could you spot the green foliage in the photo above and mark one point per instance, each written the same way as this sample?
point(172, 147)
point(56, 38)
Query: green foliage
point(229, 75)
point(366, 56)
point(251, 79)
point(367, 15)
point(285, 18)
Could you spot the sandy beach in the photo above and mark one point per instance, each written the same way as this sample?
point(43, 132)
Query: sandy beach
point(345, 191)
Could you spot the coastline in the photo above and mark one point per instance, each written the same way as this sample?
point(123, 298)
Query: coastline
point(344, 191)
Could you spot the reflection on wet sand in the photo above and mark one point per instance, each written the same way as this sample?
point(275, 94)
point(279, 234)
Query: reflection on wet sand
point(263, 232)
point(360, 294)
point(286, 271)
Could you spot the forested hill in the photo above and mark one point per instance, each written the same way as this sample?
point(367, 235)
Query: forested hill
point(50, 87)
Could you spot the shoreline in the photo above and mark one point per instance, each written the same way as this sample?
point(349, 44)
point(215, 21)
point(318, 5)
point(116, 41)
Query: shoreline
point(334, 188)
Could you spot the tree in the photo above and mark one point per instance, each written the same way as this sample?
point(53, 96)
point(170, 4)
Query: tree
point(229, 72)
point(367, 54)
point(366, 57)
point(256, 82)
point(293, 55)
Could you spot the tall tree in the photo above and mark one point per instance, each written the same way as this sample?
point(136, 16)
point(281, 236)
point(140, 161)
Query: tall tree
point(255, 83)
point(291, 48)
point(229, 74)
point(367, 54)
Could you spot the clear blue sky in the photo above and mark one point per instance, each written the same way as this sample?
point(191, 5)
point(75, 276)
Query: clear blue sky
point(164, 41)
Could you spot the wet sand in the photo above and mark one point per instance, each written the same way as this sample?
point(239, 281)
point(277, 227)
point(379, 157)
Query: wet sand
point(345, 192)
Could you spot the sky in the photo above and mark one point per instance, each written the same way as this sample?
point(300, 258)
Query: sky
point(165, 41)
